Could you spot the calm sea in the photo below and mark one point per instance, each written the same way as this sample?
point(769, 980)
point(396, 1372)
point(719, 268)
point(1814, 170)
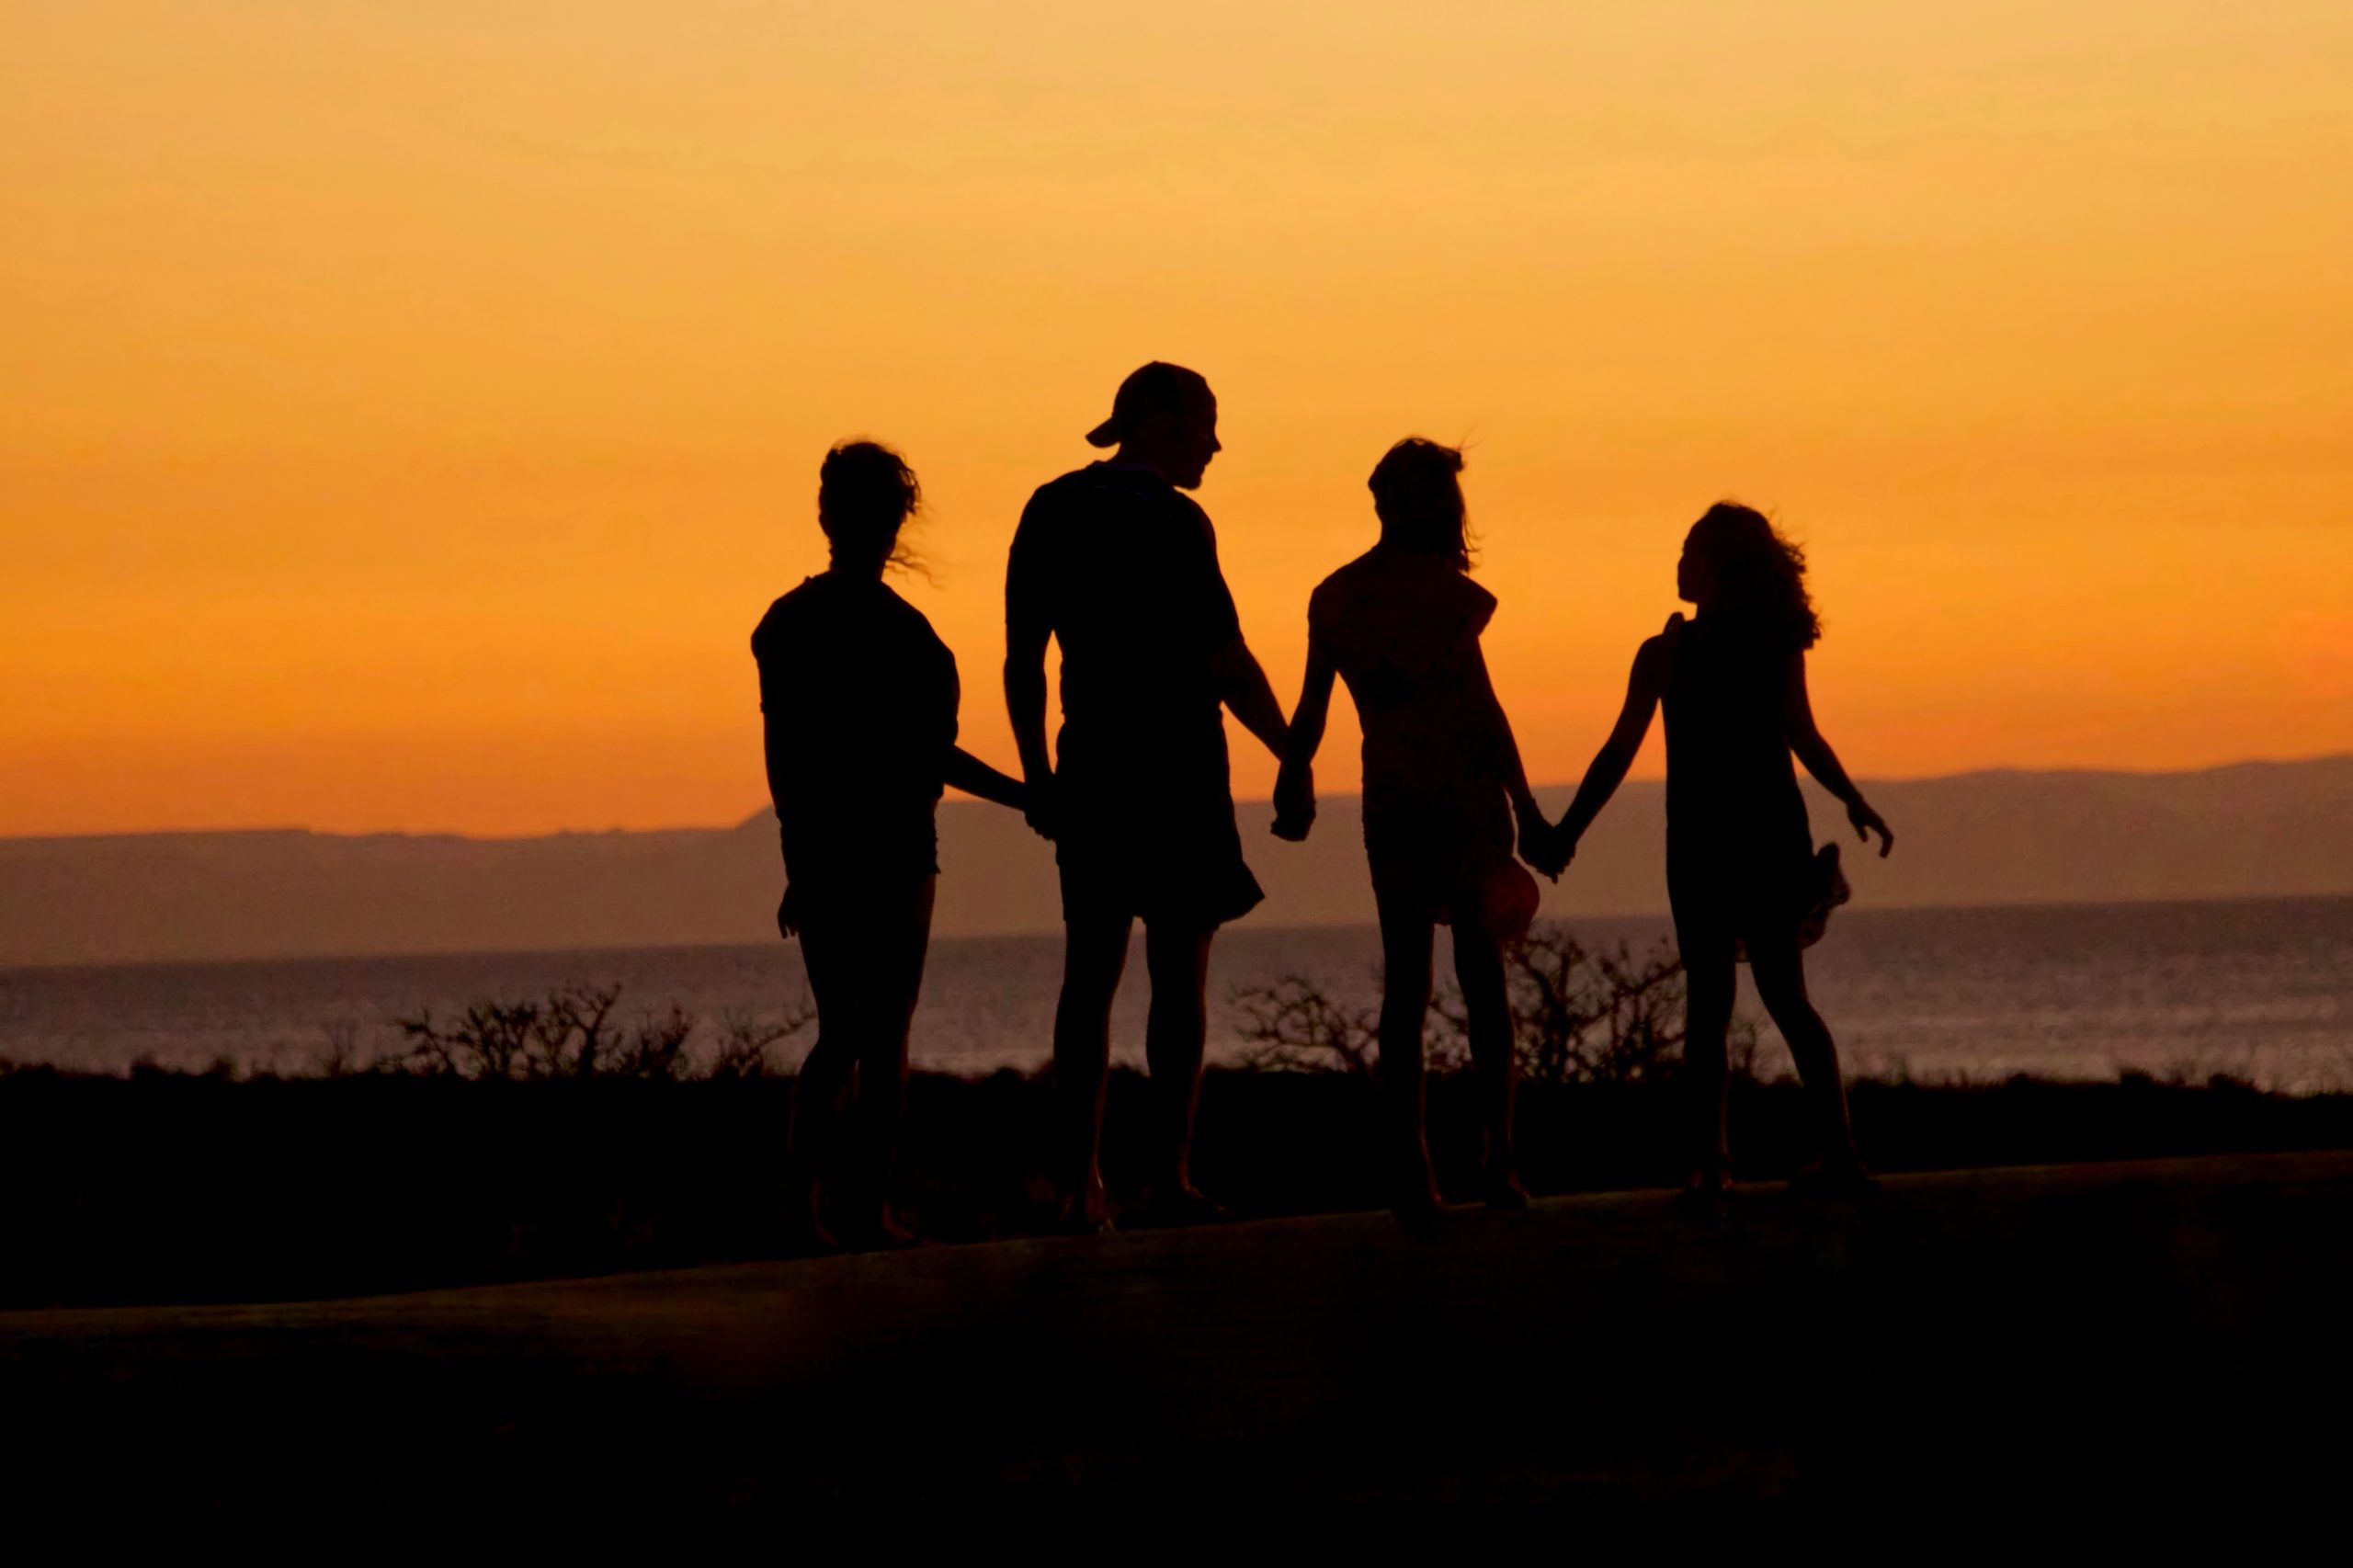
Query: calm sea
point(2259, 989)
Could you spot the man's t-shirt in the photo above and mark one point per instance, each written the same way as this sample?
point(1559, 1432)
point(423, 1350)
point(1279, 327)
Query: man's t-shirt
point(1122, 568)
point(859, 700)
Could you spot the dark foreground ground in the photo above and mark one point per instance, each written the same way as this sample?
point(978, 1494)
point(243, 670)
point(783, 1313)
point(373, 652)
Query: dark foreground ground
point(2153, 1335)
point(166, 1188)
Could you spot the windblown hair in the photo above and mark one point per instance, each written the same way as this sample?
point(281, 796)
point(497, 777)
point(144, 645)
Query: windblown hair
point(866, 493)
point(1758, 576)
point(1419, 501)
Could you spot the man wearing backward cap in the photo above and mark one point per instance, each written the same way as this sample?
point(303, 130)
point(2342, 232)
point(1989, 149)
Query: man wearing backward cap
point(1121, 568)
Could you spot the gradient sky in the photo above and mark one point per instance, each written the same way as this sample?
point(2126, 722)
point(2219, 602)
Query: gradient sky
point(407, 410)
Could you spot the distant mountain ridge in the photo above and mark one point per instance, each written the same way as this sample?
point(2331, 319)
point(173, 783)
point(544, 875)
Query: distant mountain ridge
point(2257, 829)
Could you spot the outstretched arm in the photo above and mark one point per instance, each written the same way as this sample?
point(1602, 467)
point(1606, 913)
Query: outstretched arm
point(1617, 753)
point(1295, 785)
point(1806, 740)
point(969, 773)
point(1241, 687)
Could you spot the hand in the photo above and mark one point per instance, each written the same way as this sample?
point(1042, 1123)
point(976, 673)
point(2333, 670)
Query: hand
point(787, 919)
point(1868, 822)
point(1540, 841)
point(1294, 804)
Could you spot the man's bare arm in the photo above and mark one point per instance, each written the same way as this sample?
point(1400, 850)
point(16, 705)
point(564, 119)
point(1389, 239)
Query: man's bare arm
point(1295, 785)
point(1241, 687)
point(969, 773)
point(1025, 702)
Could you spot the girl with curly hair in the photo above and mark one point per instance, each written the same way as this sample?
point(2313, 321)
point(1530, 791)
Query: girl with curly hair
point(1743, 877)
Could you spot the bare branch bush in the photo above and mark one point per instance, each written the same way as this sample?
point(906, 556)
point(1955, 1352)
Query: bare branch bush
point(1294, 1027)
point(746, 1040)
point(1579, 1016)
point(572, 1033)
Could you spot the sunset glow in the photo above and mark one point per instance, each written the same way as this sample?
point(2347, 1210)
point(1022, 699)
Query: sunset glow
point(406, 411)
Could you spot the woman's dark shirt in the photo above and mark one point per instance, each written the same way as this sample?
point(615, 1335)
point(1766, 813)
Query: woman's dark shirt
point(858, 700)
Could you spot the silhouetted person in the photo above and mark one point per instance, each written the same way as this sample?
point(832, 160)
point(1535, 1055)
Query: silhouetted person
point(1741, 872)
point(1121, 570)
point(1442, 785)
point(858, 698)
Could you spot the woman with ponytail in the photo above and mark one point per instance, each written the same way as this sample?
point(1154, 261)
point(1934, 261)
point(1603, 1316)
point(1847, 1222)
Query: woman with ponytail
point(859, 700)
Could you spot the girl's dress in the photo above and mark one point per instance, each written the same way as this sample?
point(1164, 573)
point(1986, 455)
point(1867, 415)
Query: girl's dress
point(1740, 860)
point(1402, 630)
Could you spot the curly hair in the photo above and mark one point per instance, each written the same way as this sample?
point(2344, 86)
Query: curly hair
point(866, 493)
point(1419, 500)
point(1758, 576)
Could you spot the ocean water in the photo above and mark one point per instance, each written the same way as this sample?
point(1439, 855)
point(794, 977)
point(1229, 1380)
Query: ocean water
point(2259, 989)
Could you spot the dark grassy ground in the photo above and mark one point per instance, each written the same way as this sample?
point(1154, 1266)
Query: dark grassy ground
point(172, 1187)
point(2129, 1345)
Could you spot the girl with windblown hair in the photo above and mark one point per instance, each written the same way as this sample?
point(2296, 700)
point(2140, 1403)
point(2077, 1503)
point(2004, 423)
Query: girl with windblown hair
point(1442, 785)
point(859, 700)
point(1741, 874)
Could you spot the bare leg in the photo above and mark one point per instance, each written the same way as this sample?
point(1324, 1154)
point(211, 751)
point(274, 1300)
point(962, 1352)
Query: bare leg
point(1779, 967)
point(1710, 981)
point(821, 1086)
point(1404, 1003)
point(1094, 952)
point(1479, 969)
point(897, 938)
point(1176, 1038)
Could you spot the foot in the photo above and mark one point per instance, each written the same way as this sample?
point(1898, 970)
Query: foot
point(1414, 1193)
point(881, 1231)
point(1504, 1192)
point(1087, 1212)
point(802, 1233)
point(1837, 1178)
point(1705, 1188)
point(1186, 1204)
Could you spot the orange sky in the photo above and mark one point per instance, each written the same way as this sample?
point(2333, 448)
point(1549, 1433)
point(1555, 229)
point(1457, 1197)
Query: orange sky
point(406, 411)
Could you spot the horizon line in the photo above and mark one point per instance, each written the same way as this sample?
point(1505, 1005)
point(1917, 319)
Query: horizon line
point(955, 798)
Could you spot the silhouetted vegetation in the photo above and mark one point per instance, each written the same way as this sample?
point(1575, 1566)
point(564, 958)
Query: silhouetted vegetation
point(167, 1186)
point(1581, 1015)
point(571, 1033)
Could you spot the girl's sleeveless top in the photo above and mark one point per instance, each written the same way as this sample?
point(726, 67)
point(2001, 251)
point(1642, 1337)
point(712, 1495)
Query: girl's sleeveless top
point(1731, 787)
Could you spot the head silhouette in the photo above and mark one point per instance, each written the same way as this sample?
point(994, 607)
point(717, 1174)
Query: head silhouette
point(866, 493)
point(1164, 417)
point(1418, 497)
point(1739, 569)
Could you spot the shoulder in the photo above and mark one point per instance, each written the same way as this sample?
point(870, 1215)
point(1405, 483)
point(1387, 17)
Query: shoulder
point(782, 616)
point(1336, 592)
point(1052, 500)
point(1655, 658)
point(907, 621)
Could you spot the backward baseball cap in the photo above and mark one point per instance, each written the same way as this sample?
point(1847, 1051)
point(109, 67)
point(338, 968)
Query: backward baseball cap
point(1149, 389)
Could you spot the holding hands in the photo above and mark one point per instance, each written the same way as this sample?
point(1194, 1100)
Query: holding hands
point(1541, 845)
point(1294, 802)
